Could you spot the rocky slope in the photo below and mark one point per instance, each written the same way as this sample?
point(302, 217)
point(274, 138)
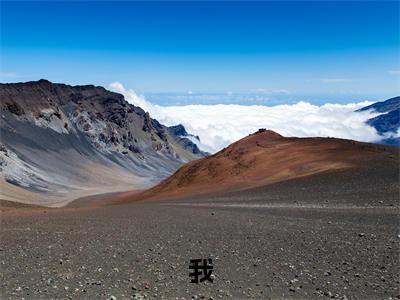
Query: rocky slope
point(266, 158)
point(59, 142)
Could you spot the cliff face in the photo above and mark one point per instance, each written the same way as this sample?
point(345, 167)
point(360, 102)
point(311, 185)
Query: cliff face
point(59, 140)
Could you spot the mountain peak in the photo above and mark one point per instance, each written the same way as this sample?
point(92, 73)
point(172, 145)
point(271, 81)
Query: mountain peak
point(267, 133)
point(54, 124)
point(261, 137)
point(43, 81)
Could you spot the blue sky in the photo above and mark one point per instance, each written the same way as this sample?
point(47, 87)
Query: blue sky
point(323, 49)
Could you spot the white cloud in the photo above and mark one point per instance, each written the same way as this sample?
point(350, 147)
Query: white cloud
point(220, 125)
point(274, 91)
point(394, 72)
point(132, 97)
point(335, 80)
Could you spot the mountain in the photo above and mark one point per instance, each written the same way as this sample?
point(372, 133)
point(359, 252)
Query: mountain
point(60, 142)
point(387, 124)
point(186, 140)
point(266, 158)
point(384, 106)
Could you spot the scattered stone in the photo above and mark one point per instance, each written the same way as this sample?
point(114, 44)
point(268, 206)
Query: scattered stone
point(138, 296)
point(328, 294)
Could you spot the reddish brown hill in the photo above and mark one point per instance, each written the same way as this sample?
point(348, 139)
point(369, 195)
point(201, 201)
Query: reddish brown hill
point(261, 159)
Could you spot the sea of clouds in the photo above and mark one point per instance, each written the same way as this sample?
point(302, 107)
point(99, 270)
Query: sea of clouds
point(220, 125)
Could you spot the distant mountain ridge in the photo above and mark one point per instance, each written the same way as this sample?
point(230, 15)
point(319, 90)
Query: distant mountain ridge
point(388, 123)
point(186, 140)
point(384, 106)
point(59, 140)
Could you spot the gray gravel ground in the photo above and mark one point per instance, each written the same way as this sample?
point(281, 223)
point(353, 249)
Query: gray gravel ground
point(143, 250)
point(333, 236)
